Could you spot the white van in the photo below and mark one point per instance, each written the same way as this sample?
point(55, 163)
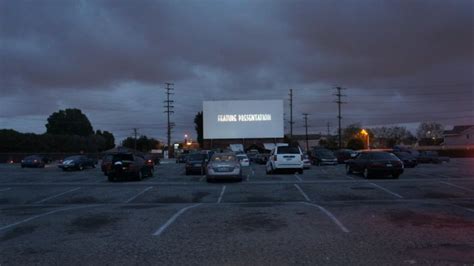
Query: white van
point(285, 157)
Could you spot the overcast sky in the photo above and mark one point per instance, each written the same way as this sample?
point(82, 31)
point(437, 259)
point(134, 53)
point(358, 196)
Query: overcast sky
point(401, 61)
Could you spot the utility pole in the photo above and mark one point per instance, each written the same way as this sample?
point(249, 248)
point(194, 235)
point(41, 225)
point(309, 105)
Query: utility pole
point(328, 124)
point(291, 113)
point(169, 110)
point(339, 117)
point(305, 117)
point(135, 138)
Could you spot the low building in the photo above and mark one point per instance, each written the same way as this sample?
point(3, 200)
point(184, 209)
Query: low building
point(459, 136)
point(313, 140)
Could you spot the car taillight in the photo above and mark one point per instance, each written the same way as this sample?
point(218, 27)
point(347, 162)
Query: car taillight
point(150, 161)
point(35, 161)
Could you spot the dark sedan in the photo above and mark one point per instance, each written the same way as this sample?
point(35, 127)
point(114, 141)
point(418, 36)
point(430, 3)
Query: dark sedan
point(343, 155)
point(409, 161)
point(375, 164)
point(431, 157)
point(129, 165)
point(323, 157)
point(35, 161)
point(78, 162)
point(196, 164)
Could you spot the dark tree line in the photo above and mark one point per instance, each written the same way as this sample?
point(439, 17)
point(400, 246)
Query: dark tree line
point(66, 131)
point(144, 144)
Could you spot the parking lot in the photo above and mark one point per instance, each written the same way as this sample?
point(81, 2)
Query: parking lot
point(322, 216)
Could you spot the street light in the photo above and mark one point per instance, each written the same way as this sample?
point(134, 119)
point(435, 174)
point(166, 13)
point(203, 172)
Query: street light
point(365, 133)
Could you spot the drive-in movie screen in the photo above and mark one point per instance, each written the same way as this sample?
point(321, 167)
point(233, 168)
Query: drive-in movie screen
point(243, 119)
point(237, 132)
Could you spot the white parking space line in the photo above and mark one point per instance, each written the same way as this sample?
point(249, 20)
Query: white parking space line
point(140, 193)
point(302, 192)
point(202, 178)
point(349, 176)
point(172, 219)
point(44, 214)
point(57, 195)
point(456, 186)
point(5, 189)
point(330, 215)
point(386, 190)
point(221, 195)
point(298, 177)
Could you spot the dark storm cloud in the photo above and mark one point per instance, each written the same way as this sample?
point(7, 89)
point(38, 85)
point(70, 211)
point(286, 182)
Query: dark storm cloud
point(125, 50)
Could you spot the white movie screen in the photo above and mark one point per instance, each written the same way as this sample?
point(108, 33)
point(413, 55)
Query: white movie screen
point(243, 119)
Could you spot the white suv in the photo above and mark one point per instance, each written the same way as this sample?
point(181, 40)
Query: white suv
point(285, 157)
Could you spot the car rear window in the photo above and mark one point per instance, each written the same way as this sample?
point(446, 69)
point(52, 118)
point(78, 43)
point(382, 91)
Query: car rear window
point(123, 157)
point(196, 157)
point(32, 157)
point(288, 150)
point(73, 158)
point(223, 158)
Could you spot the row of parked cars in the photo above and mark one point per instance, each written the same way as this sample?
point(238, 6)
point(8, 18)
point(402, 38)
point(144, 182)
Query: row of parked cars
point(115, 166)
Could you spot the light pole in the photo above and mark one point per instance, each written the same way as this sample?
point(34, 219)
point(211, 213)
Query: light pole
point(365, 133)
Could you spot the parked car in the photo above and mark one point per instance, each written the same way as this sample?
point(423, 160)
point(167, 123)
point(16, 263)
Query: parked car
point(343, 155)
point(35, 161)
point(243, 159)
point(253, 154)
point(223, 166)
point(77, 162)
point(375, 164)
point(409, 161)
point(128, 165)
point(323, 157)
point(431, 157)
point(196, 163)
point(412, 152)
point(306, 162)
point(181, 158)
point(262, 158)
point(285, 158)
point(106, 163)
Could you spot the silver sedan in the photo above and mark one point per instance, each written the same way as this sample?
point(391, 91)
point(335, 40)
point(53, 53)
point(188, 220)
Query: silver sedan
point(224, 166)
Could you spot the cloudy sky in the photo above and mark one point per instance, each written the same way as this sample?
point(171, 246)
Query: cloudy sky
point(401, 61)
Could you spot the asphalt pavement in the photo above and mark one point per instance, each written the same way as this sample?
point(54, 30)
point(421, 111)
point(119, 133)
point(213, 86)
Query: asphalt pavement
point(320, 217)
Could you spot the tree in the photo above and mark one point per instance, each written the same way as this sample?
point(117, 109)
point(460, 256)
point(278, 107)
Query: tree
point(144, 144)
point(109, 139)
point(198, 121)
point(355, 144)
point(430, 133)
point(388, 137)
point(69, 122)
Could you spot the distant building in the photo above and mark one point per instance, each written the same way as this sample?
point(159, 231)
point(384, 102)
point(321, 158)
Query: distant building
point(459, 136)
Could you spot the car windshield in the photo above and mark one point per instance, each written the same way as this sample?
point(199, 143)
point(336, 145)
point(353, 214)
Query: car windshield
point(223, 158)
point(288, 150)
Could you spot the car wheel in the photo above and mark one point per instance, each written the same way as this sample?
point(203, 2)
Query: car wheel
point(81, 167)
point(300, 171)
point(187, 172)
point(395, 176)
point(150, 172)
point(366, 173)
point(110, 178)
